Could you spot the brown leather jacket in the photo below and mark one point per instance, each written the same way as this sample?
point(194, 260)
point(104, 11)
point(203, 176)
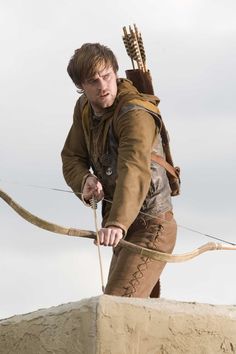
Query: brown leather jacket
point(117, 147)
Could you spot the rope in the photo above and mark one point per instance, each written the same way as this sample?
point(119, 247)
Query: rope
point(93, 204)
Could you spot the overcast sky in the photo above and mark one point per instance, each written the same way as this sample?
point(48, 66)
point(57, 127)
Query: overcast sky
point(191, 49)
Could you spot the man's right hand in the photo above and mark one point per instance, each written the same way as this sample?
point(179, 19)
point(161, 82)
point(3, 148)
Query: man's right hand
point(92, 188)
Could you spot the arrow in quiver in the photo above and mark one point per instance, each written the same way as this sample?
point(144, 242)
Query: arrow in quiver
point(139, 75)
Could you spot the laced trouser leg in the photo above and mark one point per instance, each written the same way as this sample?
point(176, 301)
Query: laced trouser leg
point(133, 275)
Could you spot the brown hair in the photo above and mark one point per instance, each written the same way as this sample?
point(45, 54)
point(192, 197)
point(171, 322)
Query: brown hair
point(87, 59)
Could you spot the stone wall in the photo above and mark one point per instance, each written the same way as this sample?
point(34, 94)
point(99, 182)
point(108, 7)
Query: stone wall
point(114, 325)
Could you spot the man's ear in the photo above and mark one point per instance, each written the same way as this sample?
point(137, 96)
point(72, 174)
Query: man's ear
point(80, 89)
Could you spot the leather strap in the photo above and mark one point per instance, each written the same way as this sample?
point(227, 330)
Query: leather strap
point(161, 161)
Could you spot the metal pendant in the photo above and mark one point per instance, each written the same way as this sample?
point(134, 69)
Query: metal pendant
point(109, 171)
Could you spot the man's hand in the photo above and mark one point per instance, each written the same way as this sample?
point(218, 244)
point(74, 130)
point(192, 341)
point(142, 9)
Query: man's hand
point(92, 188)
point(110, 236)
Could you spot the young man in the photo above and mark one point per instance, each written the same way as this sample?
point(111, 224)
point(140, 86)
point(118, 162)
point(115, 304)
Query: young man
point(107, 154)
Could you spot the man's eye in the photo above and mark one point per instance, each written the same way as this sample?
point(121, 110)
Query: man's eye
point(106, 77)
point(91, 81)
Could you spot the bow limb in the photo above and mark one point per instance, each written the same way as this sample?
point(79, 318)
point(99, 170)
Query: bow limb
point(175, 258)
point(43, 224)
point(145, 252)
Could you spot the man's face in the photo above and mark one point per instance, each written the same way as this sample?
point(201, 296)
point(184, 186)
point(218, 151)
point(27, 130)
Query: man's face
point(101, 89)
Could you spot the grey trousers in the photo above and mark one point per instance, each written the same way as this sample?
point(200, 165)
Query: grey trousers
point(133, 275)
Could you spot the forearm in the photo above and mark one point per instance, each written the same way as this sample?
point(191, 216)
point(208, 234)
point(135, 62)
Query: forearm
point(136, 138)
point(75, 159)
point(128, 199)
point(75, 172)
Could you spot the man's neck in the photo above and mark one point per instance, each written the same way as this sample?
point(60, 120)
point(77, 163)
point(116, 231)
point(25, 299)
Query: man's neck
point(98, 114)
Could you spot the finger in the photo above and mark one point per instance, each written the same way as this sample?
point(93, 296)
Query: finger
point(99, 187)
point(111, 239)
point(87, 192)
point(99, 196)
point(107, 236)
point(117, 239)
point(87, 196)
point(101, 236)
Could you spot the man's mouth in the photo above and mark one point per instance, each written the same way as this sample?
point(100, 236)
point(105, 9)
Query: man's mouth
point(104, 95)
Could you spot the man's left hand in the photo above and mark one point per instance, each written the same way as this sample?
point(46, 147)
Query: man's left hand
point(110, 236)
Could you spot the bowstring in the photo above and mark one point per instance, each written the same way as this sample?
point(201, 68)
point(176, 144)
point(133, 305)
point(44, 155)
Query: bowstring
point(183, 227)
point(93, 204)
point(143, 213)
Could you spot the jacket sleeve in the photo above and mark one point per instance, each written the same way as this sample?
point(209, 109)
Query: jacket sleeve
point(75, 159)
point(136, 131)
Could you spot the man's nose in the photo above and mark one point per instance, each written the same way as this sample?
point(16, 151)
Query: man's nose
point(101, 84)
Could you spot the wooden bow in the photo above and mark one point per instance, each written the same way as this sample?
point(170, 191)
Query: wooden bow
point(155, 255)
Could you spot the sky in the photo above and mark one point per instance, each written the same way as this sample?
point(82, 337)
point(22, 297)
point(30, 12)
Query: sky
point(190, 48)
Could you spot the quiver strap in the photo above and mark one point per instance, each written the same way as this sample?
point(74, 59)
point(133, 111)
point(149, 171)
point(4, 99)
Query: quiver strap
point(143, 82)
point(173, 172)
